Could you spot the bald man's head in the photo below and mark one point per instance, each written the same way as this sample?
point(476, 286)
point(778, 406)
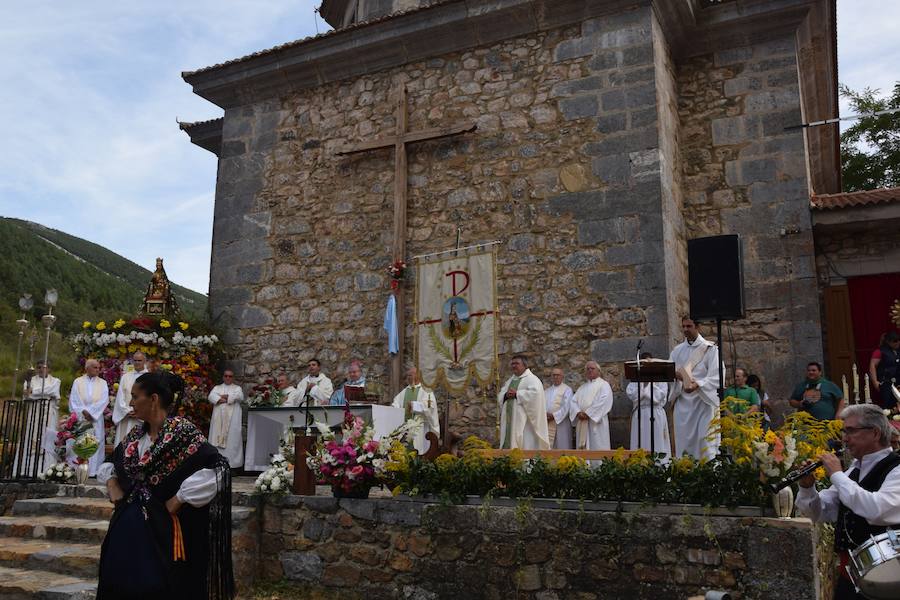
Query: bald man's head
point(91, 367)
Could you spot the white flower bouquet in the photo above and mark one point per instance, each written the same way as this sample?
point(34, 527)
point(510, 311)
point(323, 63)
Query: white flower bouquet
point(277, 479)
point(59, 473)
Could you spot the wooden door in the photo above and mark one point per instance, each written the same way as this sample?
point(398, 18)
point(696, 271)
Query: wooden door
point(840, 351)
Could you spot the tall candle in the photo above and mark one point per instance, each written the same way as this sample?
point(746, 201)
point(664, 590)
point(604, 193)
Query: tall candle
point(844, 386)
point(867, 392)
point(855, 383)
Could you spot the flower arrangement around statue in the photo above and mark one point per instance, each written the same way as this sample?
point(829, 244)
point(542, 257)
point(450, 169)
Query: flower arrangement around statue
point(355, 462)
point(397, 272)
point(265, 395)
point(276, 480)
point(85, 446)
point(185, 349)
point(286, 444)
point(59, 473)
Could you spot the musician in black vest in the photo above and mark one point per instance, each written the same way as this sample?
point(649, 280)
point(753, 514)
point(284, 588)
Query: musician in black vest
point(884, 368)
point(865, 499)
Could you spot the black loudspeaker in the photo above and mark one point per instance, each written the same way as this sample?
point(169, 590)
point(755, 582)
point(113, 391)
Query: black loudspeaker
point(716, 277)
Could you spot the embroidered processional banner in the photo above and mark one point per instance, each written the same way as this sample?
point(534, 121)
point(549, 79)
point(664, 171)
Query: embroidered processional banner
point(456, 320)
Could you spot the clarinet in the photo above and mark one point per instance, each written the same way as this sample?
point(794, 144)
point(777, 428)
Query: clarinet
point(799, 474)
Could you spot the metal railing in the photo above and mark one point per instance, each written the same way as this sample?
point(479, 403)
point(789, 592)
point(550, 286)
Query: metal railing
point(22, 426)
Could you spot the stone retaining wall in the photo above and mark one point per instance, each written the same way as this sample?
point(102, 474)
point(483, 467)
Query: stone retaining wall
point(378, 549)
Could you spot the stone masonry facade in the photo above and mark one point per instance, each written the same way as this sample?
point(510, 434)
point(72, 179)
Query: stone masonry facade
point(596, 156)
point(381, 549)
point(743, 173)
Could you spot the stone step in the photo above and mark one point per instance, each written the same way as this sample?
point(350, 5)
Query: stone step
point(83, 508)
point(22, 584)
point(79, 560)
point(52, 527)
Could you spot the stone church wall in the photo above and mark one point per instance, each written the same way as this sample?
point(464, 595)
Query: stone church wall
point(564, 168)
point(743, 173)
point(381, 549)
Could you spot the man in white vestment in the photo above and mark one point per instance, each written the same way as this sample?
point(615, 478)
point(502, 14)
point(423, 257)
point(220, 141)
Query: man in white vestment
point(559, 403)
point(590, 410)
point(88, 399)
point(660, 391)
point(417, 401)
point(122, 408)
point(695, 392)
point(315, 386)
point(283, 385)
point(355, 379)
point(45, 386)
point(225, 425)
point(523, 417)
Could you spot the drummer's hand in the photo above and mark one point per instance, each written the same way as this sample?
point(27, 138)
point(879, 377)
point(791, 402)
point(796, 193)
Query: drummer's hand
point(831, 463)
point(114, 490)
point(173, 505)
point(808, 480)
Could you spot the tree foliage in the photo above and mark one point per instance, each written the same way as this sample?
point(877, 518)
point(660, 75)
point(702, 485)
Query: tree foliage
point(870, 149)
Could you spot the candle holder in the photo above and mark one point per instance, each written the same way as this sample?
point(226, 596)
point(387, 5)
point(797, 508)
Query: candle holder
point(48, 320)
point(25, 303)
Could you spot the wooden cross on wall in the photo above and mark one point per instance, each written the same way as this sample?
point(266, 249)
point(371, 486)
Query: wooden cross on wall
point(398, 142)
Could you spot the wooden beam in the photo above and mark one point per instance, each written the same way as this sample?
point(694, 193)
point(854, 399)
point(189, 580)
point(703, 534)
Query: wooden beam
point(408, 138)
point(557, 454)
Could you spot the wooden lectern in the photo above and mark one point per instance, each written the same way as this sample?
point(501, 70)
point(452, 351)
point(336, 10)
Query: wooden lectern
point(649, 371)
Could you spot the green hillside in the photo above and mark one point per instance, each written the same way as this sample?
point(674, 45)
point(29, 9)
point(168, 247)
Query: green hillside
point(93, 282)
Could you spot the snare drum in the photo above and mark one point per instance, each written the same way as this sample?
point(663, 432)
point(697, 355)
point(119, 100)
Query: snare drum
point(874, 567)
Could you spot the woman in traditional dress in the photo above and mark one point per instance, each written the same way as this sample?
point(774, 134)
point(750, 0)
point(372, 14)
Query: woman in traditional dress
point(170, 534)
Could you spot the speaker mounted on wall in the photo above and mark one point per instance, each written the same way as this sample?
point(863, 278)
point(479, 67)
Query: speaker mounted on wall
point(716, 277)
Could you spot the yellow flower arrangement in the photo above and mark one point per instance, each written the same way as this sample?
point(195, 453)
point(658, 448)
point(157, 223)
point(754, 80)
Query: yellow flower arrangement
point(112, 352)
point(101, 326)
point(132, 348)
point(119, 324)
point(471, 446)
point(567, 464)
point(165, 324)
point(445, 461)
point(184, 326)
point(86, 325)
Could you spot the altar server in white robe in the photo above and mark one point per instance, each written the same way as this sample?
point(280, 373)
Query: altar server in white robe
point(315, 385)
point(225, 425)
point(418, 401)
point(523, 416)
point(88, 399)
point(660, 390)
point(122, 408)
point(695, 393)
point(559, 403)
point(590, 410)
point(45, 386)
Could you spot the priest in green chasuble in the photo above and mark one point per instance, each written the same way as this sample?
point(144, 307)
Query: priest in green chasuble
point(417, 401)
point(523, 414)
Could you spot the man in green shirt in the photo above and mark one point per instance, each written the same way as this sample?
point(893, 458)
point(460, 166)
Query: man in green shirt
point(818, 396)
point(740, 390)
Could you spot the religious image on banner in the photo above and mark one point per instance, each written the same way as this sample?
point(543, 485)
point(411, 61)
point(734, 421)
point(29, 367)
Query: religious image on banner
point(456, 320)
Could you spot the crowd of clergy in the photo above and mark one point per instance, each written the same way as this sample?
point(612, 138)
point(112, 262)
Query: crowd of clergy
point(532, 416)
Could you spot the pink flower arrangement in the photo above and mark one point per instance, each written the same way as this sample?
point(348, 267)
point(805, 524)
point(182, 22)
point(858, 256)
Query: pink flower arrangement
point(353, 462)
point(69, 428)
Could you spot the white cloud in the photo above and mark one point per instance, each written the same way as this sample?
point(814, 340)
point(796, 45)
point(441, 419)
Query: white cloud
point(91, 146)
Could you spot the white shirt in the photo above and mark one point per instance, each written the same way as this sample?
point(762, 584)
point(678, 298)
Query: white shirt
point(197, 490)
point(878, 508)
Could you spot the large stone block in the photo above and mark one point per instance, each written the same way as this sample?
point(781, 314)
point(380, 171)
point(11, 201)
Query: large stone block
point(578, 107)
point(302, 566)
point(607, 231)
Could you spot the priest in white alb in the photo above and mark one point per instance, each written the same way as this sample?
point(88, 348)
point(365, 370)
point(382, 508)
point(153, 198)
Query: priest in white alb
point(88, 399)
point(695, 393)
point(590, 410)
point(417, 401)
point(121, 416)
point(225, 425)
point(660, 392)
point(45, 386)
point(315, 388)
point(559, 403)
point(523, 416)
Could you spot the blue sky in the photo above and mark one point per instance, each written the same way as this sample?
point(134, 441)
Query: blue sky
point(91, 91)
